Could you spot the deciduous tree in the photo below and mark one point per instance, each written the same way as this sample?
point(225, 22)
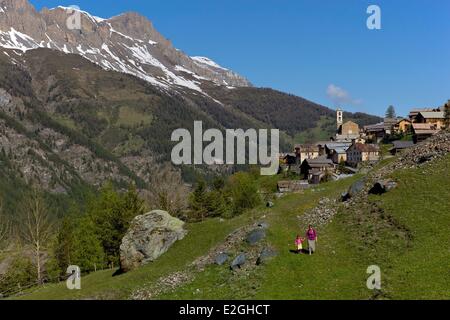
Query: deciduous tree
point(5, 224)
point(36, 228)
point(168, 191)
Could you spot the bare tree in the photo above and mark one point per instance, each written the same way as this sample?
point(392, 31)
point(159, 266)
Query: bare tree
point(36, 227)
point(5, 225)
point(168, 191)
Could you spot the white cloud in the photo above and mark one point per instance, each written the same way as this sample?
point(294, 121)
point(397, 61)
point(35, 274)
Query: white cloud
point(340, 96)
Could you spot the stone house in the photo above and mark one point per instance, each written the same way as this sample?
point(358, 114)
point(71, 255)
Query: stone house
point(413, 114)
point(337, 151)
point(436, 118)
point(400, 145)
point(402, 126)
point(306, 151)
point(389, 124)
point(311, 168)
point(321, 145)
point(339, 154)
point(422, 131)
point(375, 132)
point(358, 153)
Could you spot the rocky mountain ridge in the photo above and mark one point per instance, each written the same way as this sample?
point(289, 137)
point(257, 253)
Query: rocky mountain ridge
point(126, 43)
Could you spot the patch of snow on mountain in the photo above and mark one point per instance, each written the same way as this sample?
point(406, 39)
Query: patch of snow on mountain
point(122, 66)
point(14, 39)
point(98, 19)
point(65, 50)
point(208, 62)
point(182, 69)
point(120, 34)
point(142, 54)
point(50, 43)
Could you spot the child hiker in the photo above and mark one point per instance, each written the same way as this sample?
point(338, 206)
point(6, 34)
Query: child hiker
point(299, 244)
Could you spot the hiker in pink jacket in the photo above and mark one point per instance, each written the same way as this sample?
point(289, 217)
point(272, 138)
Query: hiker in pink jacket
point(311, 235)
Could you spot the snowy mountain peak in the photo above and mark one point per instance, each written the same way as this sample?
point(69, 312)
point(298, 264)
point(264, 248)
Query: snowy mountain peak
point(126, 43)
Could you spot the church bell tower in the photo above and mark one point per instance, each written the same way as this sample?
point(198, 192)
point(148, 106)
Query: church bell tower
point(339, 118)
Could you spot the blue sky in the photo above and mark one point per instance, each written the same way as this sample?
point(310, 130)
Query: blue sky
point(320, 50)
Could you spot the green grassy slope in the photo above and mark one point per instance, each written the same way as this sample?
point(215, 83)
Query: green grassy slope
point(422, 205)
point(405, 232)
point(103, 285)
point(408, 239)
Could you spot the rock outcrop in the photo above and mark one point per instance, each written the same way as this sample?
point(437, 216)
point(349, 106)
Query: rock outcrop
point(149, 236)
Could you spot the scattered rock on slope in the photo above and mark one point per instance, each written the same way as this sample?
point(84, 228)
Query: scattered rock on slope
point(383, 186)
point(255, 236)
point(354, 189)
point(221, 258)
point(238, 262)
point(321, 214)
point(265, 255)
point(149, 236)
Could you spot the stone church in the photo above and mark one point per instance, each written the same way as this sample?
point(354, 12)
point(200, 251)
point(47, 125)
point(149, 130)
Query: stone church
point(347, 131)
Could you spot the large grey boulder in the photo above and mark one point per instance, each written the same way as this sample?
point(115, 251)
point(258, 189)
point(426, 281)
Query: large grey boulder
point(382, 186)
point(354, 189)
point(149, 236)
point(255, 236)
point(221, 258)
point(265, 255)
point(357, 187)
point(238, 262)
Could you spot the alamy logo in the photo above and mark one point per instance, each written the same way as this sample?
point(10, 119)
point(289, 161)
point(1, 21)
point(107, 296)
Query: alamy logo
point(374, 20)
point(74, 280)
point(374, 280)
point(235, 147)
